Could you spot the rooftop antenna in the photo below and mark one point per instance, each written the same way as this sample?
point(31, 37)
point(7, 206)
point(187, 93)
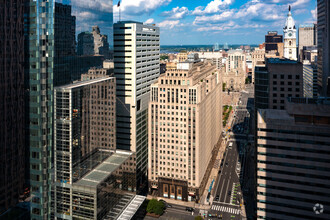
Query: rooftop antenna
point(118, 5)
point(289, 7)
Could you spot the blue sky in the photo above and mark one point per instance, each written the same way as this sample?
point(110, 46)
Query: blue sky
point(198, 21)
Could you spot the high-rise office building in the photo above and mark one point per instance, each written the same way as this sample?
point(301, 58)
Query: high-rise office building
point(277, 80)
point(85, 44)
point(40, 51)
point(307, 37)
point(12, 98)
point(93, 180)
point(64, 43)
point(293, 160)
point(85, 122)
point(273, 41)
point(136, 59)
point(185, 124)
point(290, 38)
point(323, 47)
point(64, 31)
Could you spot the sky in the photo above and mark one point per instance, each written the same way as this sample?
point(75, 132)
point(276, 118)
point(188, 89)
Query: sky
point(196, 22)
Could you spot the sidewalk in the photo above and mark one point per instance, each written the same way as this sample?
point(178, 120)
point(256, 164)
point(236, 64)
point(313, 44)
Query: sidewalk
point(215, 169)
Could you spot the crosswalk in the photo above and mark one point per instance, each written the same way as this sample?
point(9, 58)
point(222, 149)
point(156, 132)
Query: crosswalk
point(226, 209)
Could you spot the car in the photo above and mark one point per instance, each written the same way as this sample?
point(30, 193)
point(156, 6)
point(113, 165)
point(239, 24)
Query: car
point(189, 209)
point(165, 203)
point(226, 164)
point(229, 193)
point(216, 198)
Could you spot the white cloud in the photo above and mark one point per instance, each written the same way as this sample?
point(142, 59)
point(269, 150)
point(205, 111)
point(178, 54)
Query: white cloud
point(169, 24)
point(226, 15)
point(138, 7)
point(98, 5)
point(149, 21)
point(314, 14)
point(214, 6)
point(299, 3)
point(176, 13)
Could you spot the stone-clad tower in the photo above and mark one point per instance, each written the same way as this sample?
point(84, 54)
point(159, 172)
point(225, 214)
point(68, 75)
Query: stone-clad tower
point(290, 38)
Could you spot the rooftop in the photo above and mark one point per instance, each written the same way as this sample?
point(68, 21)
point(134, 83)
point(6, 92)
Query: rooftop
point(83, 83)
point(129, 22)
point(281, 61)
point(104, 169)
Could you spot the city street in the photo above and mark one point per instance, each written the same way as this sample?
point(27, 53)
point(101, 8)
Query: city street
point(227, 187)
point(228, 191)
point(176, 212)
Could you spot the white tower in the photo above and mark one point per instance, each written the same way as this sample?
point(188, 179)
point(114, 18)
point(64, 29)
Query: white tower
point(290, 38)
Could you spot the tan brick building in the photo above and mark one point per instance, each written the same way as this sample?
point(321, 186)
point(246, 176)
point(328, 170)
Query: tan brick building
point(184, 125)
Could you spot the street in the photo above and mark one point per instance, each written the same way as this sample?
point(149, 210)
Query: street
point(228, 191)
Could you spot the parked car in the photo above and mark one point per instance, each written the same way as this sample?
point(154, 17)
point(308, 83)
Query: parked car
point(189, 209)
point(216, 198)
point(165, 203)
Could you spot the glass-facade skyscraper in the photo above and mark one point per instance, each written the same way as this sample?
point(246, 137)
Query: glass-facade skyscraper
point(12, 138)
point(39, 78)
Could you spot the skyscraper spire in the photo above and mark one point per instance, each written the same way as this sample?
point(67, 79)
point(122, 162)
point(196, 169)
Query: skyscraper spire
point(289, 7)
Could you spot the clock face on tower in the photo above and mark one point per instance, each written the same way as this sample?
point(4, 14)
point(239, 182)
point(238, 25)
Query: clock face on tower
point(290, 34)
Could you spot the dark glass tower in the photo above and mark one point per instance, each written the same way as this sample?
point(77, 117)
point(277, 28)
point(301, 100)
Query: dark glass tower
point(39, 79)
point(12, 138)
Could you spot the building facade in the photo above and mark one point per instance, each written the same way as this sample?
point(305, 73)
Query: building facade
point(136, 59)
point(258, 55)
point(12, 97)
point(310, 80)
point(39, 79)
point(94, 73)
point(323, 47)
point(64, 43)
point(236, 61)
point(307, 37)
point(64, 31)
point(276, 81)
point(290, 38)
point(84, 132)
point(214, 57)
point(293, 160)
point(272, 41)
point(185, 124)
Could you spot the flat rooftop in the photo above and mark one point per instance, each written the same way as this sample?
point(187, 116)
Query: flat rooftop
point(104, 169)
point(281, 61)
point(83, 83)
point(128, 22)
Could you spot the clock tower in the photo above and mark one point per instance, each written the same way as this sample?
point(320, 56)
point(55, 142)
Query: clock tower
point(290, 38)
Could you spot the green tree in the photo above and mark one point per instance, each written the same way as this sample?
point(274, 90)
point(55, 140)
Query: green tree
point(247, 80)
point(156, 207)
point(198, 218)
point(151, 205)
point(223, 87)
point(159, 209)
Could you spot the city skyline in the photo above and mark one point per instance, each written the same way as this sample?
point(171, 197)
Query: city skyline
point(190, 22)
point(205, 109)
